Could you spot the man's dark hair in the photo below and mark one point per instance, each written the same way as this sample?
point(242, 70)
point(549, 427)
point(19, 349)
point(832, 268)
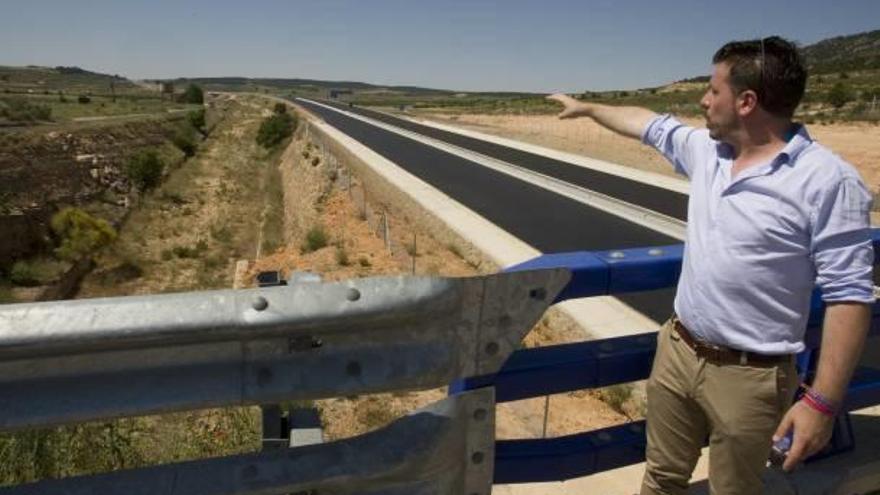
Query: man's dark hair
point(771, 67)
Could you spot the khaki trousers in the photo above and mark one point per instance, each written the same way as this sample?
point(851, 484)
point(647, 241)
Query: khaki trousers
point(736, 407)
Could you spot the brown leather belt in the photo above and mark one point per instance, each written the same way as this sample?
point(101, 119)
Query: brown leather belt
point(725, 355)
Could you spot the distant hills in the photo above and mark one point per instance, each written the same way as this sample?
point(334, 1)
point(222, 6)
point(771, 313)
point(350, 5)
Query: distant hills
point(855, 52)
point(845, 53)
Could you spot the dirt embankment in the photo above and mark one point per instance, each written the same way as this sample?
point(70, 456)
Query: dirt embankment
point(43, 170)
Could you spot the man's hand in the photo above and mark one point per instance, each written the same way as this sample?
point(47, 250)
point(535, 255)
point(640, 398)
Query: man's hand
point(812, 430)
point(627, 121)
point(572, 108)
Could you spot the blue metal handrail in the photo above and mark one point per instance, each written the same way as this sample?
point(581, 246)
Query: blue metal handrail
point(562, 368)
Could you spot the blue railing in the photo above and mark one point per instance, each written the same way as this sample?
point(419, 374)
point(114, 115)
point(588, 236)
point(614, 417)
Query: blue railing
point(562, 368)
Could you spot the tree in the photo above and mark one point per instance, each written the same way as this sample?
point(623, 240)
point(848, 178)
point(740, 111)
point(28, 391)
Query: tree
point(81, 234)
point(144, 169)
point(193, 94)
point(185, 140)
point(275, 129)
point(839, 95)
point(196, 118)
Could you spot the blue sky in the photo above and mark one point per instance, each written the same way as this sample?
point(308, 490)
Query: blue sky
point(542, 46)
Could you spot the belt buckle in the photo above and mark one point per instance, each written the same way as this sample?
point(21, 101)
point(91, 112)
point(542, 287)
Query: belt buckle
point(713, 352)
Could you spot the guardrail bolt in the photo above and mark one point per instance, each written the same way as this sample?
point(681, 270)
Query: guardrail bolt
point(492, 348)
point(480, 414)
point(617, 254)
point(477, 457)
point(260, 303)
point(353, 294)
point(655, 252)
point(303, 343)
point(538, 294)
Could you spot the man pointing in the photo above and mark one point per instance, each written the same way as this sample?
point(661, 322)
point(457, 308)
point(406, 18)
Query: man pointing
point(771, 214)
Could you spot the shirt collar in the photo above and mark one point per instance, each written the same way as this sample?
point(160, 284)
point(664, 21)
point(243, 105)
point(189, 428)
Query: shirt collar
point(798, 140)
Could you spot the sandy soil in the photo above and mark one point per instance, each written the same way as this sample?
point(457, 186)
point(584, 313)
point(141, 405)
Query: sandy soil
point(858, 143)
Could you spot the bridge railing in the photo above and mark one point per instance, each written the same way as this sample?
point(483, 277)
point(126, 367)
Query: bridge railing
point(563, 368)
point(73, 361)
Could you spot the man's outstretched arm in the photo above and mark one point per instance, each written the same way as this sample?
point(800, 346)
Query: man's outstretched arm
point(627, 121)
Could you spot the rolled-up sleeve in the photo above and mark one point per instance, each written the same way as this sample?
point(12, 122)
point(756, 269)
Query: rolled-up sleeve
point(685, 147)
point(841, 243)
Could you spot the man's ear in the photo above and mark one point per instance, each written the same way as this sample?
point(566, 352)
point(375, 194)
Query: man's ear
point(746, 102)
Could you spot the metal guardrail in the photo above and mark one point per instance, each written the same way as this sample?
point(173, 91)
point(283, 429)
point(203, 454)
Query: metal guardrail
point(562, 368)
point(445, 448)
point(73, 361)
point(149, 354)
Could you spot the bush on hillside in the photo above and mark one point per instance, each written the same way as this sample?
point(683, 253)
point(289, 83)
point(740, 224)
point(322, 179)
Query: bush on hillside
point(185, 140)
point(839, 95)
point(83, 99)
point(316, 238)
point(23, 275)
point(20, 110)
point(196, 118)
point(144, 169)
point(280, 108)
point(193, 94)
point(80, 233)
point(275, 129)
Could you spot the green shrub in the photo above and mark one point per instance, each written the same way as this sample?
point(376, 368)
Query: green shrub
point(144, 169)
point(839, 95)
point(20, 110)
point(193, 94)
point(185, 141)
point(316, 239)
point(24, 274)
point(83, 99)
point(275, 129)
point(196, 118)
point(279, 108)
point(81, 234)
point(184, 252)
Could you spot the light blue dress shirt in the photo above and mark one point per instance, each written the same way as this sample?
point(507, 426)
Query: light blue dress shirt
point(757, 244)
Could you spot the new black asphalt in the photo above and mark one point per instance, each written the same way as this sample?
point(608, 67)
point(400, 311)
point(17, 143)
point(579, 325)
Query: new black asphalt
point(669, 203)
point(547, 221)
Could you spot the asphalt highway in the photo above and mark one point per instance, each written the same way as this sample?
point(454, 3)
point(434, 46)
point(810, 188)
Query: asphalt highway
point(547, 221)
point(669, 203)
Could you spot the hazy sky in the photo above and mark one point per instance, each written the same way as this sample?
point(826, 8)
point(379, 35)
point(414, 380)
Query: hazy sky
point(544, 46)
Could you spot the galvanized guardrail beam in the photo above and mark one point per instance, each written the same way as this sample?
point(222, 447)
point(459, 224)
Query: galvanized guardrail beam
point(73, 361)
point(446, 448)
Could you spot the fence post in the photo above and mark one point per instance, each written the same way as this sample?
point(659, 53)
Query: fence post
point(414, 253)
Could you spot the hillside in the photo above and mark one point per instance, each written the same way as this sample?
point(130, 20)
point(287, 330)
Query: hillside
point(845, 53)
point(35, 79)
